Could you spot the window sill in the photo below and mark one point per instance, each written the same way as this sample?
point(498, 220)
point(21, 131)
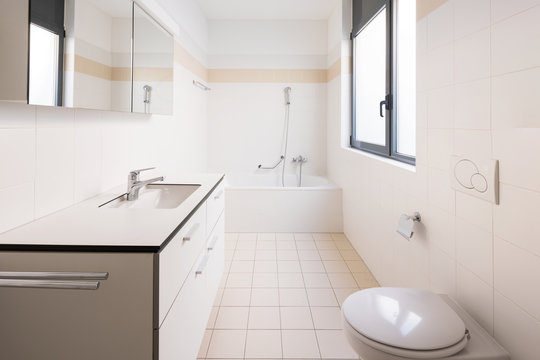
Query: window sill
point(399, 164)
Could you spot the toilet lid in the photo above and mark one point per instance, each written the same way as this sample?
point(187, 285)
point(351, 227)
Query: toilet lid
point(412, 319)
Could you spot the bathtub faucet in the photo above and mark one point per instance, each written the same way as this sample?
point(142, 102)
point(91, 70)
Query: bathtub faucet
point(299, 159)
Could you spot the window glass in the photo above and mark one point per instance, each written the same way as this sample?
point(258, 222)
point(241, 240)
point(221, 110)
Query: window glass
point(43, 66)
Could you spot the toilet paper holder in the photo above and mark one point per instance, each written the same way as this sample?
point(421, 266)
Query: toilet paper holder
point(415, 217)
point(406, 224)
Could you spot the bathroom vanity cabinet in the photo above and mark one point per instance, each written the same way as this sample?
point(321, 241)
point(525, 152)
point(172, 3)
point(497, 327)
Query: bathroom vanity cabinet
point(114, 302)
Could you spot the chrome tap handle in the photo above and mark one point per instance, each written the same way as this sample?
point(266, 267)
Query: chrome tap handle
point(134, 174)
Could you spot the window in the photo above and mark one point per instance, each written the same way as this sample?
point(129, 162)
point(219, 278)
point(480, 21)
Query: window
point(46, 55)
point(384, 78)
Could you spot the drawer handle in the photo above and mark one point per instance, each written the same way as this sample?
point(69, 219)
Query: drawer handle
point(53, 275)
point(202, 265)
point(191, 232)
point(218, 195)
point(212, 243)
point(50, 284)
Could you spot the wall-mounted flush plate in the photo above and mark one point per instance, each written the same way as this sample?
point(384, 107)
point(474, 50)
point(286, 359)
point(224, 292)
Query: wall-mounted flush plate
point(479, 178)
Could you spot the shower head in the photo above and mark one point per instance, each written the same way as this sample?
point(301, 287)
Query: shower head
point(287, 92)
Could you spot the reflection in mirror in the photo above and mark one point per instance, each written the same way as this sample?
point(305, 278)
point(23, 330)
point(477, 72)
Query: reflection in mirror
point(153, 60)
point(98, 54)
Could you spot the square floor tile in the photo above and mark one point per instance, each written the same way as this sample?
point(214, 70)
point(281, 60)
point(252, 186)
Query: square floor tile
point(246, 244)
point(296, 318)
point(219, 297)
point(266, 236)
point(205, 343)
point(290, 280)
point(239, 280)
point(321, 297)
point(264, 318)
point(365, 280)
point(242, 266)
point(284, 236)
point(265, 266)
point(236, 297)
point(244, 255)
point(303, 236)
point(334, 345)
point(322, 236)
point(229, 255)
point(287, 255)
point(341, 280)
point(308, 255)
point(350, 255)
point(232, 317)
point(288, 266)
point(265, 297)
point(247, 236)
point(330, 255)
point(339, 237)
point(357, 266)
point(263, 344)
point(212, 318)
point(312, 266)
point(326, 317)
point(342, 294)
point(336, 266)
point(265, 255)
point(227, 344)
point(306, 245)
point(293, 297)
point(265, 280)
point(325, 245)
point(300, 344)
point(286, 245)
point(266, 245)
point(316, 280)
point(343, 245)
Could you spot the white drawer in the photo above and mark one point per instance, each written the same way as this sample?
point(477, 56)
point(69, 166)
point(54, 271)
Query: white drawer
point(216, 251)
point(216, 204)
point(182, 331)
point(178, 257)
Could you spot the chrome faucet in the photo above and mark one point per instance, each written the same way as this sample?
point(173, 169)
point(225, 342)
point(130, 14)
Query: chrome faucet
point(134, 184)
point(300, 159)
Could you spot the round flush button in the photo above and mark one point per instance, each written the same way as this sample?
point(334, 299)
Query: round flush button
point(479, 182)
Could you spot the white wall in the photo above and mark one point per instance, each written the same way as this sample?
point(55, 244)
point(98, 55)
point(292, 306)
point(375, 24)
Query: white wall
point(52, 157)
point(246, 117)
point(477, 74)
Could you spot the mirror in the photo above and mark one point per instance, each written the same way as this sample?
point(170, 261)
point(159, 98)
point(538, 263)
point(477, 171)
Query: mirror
point(94, 54)
point(153, 60)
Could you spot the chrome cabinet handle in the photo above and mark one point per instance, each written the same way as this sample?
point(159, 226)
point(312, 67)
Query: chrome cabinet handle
point(202, 265)
point(191, 232)
point(218, 195)
point(50, 284)
point(212, 243)
point(53, 275)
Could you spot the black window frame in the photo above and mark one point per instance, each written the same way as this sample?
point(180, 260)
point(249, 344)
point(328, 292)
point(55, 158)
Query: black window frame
point(49, 15)
point(364, 11)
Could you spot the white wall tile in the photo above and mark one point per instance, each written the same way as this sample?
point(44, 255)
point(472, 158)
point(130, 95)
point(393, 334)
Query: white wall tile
point(513, 95)
point(476, 211)
point(512, 48)
point(517, 151)
point(440, 229)
point(55, 160)
point(516, 218)
point(473, 143)
point(502, 9)
point(440, 26)
point(440, 192)
point(472, 105)
point(442, 272)
point(440, 148)
point(440, 108)
point(476, 297)
point(472, 57)
point(470, 16)
point(515, 330)
point(16, 206)
point(440, 66)
point(15, 115)
point(17, 156)
point(474, 250)
point(514, 269)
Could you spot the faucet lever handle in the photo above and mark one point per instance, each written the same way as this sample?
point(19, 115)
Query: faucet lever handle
point(137, 172)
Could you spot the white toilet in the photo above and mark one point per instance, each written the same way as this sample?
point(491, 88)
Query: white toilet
point(403, 323)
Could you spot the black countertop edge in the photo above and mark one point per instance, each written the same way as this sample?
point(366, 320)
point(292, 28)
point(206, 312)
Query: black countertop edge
point(108, 248)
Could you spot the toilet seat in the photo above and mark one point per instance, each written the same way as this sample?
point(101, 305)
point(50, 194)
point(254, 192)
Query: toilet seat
point(411, 323)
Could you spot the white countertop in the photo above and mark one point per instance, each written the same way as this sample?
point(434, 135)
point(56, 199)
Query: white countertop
point(87, 225)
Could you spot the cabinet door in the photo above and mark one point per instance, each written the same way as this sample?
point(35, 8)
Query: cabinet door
point(216, 252)
point(77, 313)
point(177, 259)
point(181, 333)
point(216, 204)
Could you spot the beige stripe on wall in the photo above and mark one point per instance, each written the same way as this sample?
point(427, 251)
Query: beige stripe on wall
point(184, 58)
point(425, 7)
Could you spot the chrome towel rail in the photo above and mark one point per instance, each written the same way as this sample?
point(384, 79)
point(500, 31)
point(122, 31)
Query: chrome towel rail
point(201, 86)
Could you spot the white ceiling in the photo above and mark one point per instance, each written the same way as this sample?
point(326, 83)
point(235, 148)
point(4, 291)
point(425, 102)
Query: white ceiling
point(268, 9)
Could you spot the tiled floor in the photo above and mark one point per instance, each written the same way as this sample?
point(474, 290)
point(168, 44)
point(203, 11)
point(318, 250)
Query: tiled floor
point(280, 297)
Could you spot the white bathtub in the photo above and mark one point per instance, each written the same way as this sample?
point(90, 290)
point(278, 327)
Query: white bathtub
point(258, 203)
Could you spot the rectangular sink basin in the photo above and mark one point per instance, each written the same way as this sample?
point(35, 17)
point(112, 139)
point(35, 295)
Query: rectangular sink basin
point(155, 196)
